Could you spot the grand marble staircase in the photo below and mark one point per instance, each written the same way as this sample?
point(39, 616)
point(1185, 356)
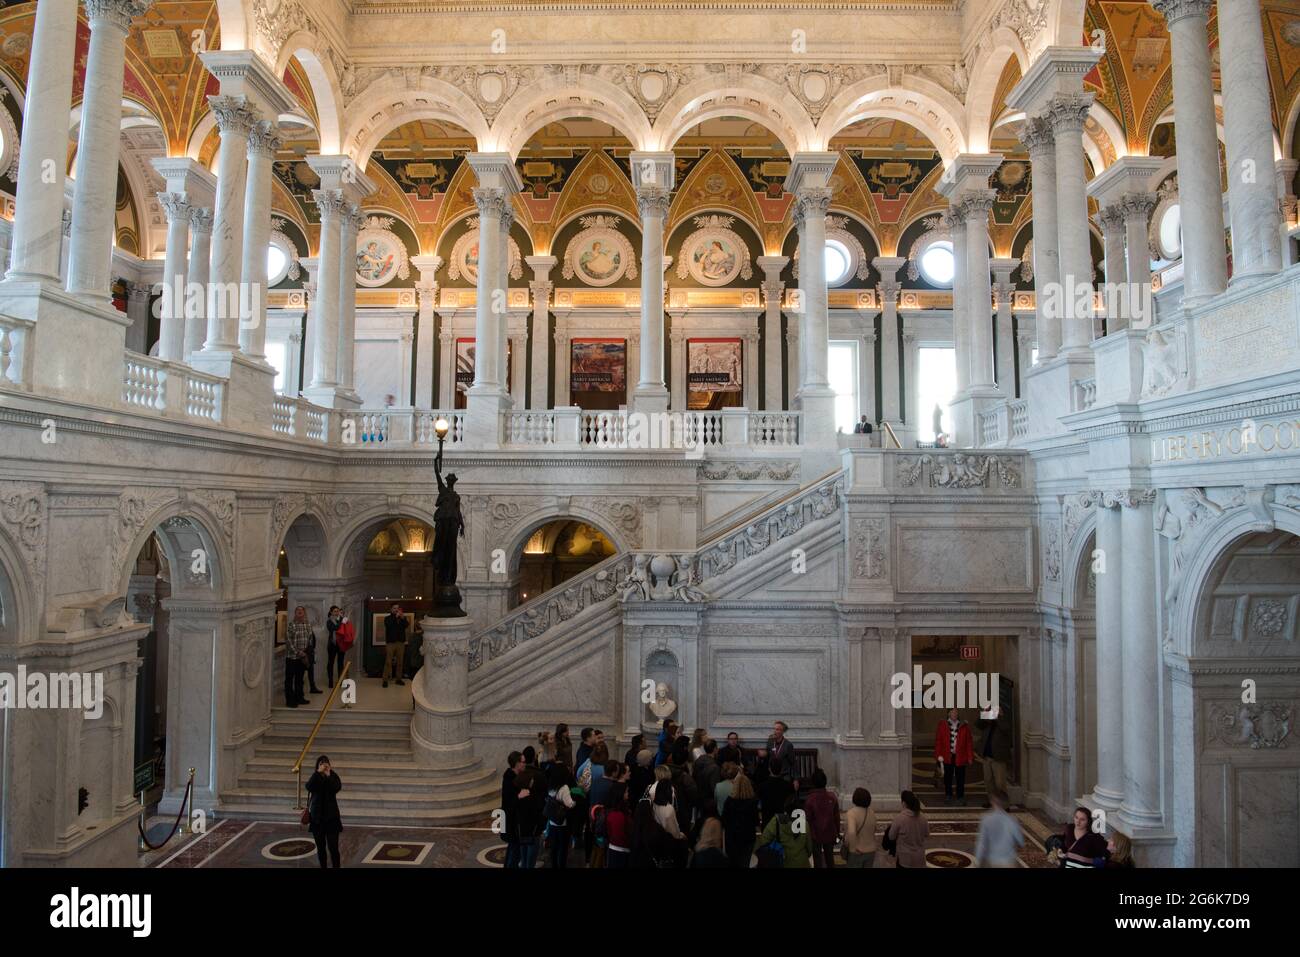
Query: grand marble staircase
point(382, 783)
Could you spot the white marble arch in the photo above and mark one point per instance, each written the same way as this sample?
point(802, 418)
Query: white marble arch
point(1064, 26)
point(17, 608)
point(311, 52)
point(1002, 45)
point(306, 544)
point(519, 533)
point(178, 544)
point(748, 96)
point(388, 103)
point(533, 106)
point(917, 101)
point(1188, 621)
point(349, 544)
point(1290, 128)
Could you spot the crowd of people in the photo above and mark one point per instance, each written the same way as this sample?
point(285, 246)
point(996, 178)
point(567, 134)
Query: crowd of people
point(688, 801)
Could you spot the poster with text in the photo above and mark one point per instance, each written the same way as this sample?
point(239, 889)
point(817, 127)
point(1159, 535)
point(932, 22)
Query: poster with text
point(714, 365)
point(598, 365)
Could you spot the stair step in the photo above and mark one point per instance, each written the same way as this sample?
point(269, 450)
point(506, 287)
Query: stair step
point(468, 813)
point(458, 797)
point(355, 781)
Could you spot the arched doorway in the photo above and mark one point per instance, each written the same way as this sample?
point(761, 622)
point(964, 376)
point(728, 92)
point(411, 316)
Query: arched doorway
point(554, 553)
point(1234, 754)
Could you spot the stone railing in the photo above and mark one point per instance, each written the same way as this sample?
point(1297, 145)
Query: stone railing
point(650, 576)
point(774, 429)
point(377, 428)
point(144, 382)
point(15, 365)
point(300, 419)
point(1083, 394)
point(1019, 410)
point(172, 389)
point(533, 427)
point(990, 431)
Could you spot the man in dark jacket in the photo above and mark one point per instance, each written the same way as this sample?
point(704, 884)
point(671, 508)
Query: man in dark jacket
point(395, 625)
point(995, 749)
point(706, 772)
point(688, 795)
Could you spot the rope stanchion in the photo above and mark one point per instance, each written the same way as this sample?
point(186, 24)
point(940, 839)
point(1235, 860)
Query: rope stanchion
point(180, 815)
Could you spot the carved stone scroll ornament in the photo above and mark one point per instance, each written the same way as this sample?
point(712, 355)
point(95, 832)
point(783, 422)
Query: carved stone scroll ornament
point(1255, 726)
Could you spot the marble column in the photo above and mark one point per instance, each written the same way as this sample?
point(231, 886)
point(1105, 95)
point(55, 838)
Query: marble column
point(426, 291)
point(1248, 132)
point(810, 206)
point(1037, 138)
point(1004, 347)
point(773, 289)
point(234, 121)
point(487, 329)
point(652, 202)
point(888, 290)
point(1109, 789)
point(263, 142)
point(509, 384)
point(1136, 208)
point(1140, 657)
point(38, 209)
point(979, 305)
point(540, 287)
point(171, 337)
point(1025, 352)
point(325, 334)
point(94, 199)
point(197, 279)
point(1200, 197)
point(137, 308)
point(1067, 112)
point(1287, 207)
point(954, 220)
point(350, 221)
point(311, 327)
point(1111, 220)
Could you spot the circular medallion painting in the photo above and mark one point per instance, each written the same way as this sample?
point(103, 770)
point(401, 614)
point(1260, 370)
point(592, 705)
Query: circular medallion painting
point(598, 184)
point(599, 255)
point(381, 256)
point(464, 257)
point(713, 258)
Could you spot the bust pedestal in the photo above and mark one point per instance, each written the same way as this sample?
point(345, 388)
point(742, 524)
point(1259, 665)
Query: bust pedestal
point(440, 724)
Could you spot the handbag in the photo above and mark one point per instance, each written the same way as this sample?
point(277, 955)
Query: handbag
point(306, 817)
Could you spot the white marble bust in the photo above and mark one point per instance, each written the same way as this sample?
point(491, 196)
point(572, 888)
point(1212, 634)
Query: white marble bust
point(662, 706)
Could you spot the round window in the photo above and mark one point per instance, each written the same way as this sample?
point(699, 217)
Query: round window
point(277, 264)
point(838, 262)
point(937, 264)
point(1171, 233)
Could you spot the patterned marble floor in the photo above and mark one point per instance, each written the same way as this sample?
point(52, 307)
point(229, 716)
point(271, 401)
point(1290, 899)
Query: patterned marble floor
point(270, 844)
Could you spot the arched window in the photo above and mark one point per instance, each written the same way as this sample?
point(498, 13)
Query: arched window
point(278, 261)
point(1170, 233)
point(839, 262)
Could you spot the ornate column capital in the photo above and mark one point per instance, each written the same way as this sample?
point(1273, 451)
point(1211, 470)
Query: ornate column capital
point(491, 201)
point(888, 292)
point(1067, 113)
point(1004, 293)
point(652, 200)
point(176, 206)
point(1137, 206)
point(953, 218)
point(263, 139)
point(976, 205)
point(1125, 497)
point(541, 290)
point(137, 290)
point(1175, 10)
point(1111, 219)
point(118, 13)
point(201, 220)
point(772, 291)
point(331, 204)
point(1037, 137)
point(233, 114)
point(811, 201)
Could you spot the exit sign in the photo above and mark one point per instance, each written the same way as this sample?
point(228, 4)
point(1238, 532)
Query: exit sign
point(970, 652)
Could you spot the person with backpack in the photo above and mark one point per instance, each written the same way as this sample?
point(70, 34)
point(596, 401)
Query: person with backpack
point(782, 841)
point(652, 846)
point(559, 802)
point(860, 831)
point(823, 812)
point(530, 803)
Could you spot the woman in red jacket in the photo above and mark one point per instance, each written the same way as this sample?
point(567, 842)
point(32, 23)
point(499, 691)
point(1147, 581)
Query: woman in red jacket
point(953, 751)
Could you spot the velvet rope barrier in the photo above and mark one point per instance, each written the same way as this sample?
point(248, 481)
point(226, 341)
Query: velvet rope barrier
point(185, 800)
